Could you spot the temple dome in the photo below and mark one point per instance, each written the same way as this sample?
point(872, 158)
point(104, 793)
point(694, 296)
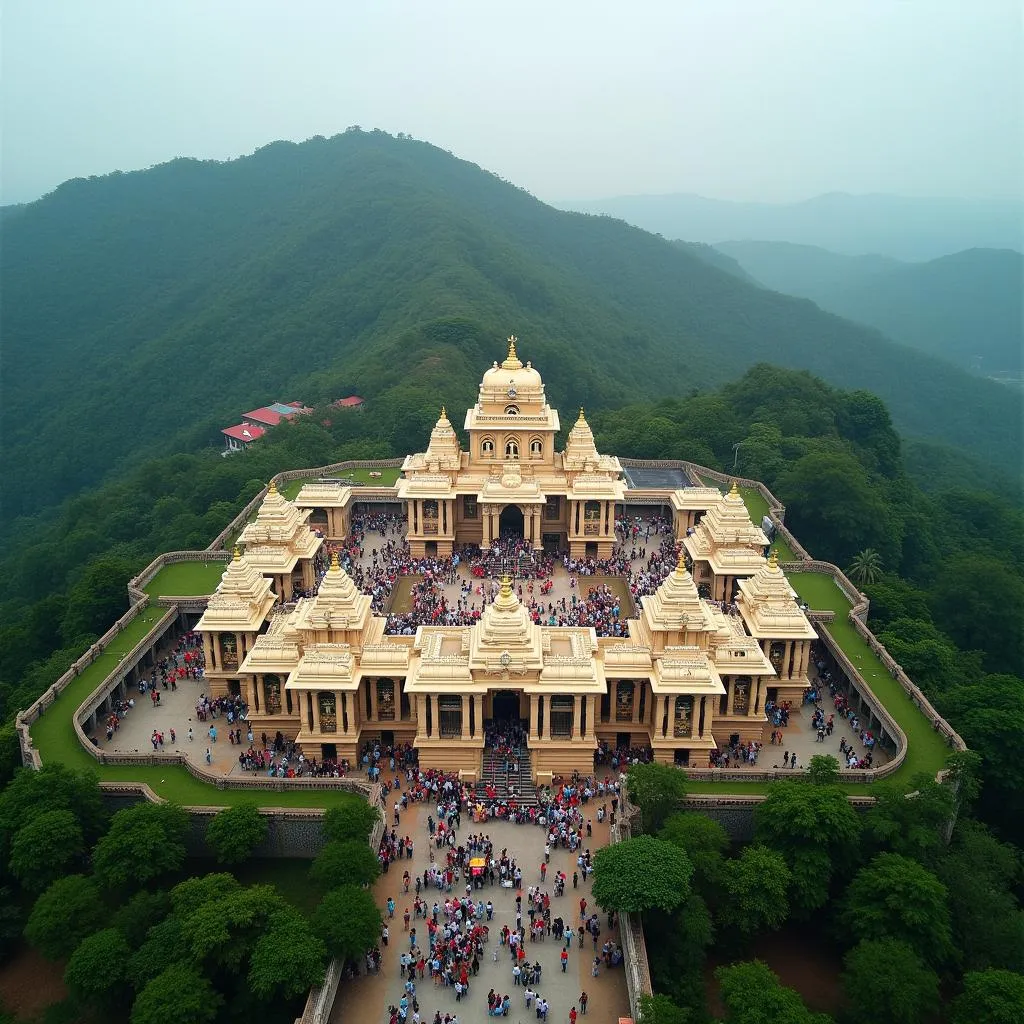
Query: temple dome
point(512, 373)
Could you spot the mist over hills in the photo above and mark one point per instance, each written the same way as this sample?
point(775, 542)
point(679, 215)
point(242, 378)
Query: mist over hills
point(967, 307)
point(896, 226)
point(143, 311)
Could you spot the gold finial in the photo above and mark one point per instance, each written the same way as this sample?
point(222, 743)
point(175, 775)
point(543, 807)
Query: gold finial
point(273, 487)
point(512, 347)
point(773, 559)
point(238, 554)
point(335, 564)
point(582, 418)
point(444, 414)
point(506, 586)
point(734, 491)
point(681, 564)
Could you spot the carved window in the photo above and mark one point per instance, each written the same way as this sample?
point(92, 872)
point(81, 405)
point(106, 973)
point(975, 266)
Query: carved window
point(777, 652)
point(272, 691)
point(741, 695)
point(328, 712)
point(511, 449)
point(449, 711)
point(487, 448)
point(561, 716)
point(536, 447)
point(553, 508)
point(625, 691)
point(511, 410)
point(682, 721)
point(469, 510)
point(229, 650)
point(386, 700)
point(592, 518)
point(430, 514)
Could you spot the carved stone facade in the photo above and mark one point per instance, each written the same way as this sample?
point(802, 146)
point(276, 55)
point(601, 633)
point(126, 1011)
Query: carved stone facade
point(689, 677)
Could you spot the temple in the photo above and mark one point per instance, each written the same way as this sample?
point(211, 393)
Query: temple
point(701, 655)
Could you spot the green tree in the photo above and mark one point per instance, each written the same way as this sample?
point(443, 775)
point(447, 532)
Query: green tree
point(815, 829)
point(135, 918)
point(165, 943)
point(990, 997)
point(752, 994)
point(180, 994)
point(97, 970)
point(657, 790)
point(144, 842)
point(823, 770)
point(704, 842)
point(910, 819)
point(223, 931)
point(756, 891)
point(351, 862)
point(287, 959)
point(353, 819)
point(885, 972)
point(45, 848)
point(347, 921)
point(896, 897)
point(53, 788)
point(235, 832)
point(66, 913)
point(865, 567)
point(640, 874)
point(659, 1009)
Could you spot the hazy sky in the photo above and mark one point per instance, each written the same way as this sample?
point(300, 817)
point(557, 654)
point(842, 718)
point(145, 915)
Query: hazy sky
point(738, 99)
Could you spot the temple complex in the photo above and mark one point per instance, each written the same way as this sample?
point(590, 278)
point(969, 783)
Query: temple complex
point(720, 637)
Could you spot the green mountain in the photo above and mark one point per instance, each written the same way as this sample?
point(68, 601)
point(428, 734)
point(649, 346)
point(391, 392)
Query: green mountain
point(903, 227)
point(967, 307)
point(144, 311)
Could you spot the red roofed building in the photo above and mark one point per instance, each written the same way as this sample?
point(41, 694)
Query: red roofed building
point(271, 415)
point(352, 402)
point(237, 439)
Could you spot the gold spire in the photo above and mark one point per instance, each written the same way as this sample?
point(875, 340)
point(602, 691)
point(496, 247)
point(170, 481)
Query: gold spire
point(335, 564)
point(506, 586)
point(582, 418)
point(444, 414)
point(512, 361)
point(238, 554)
point(773, 559)
point(681, 564)
point(512, 347)
point(273, 487)
point(734, 492)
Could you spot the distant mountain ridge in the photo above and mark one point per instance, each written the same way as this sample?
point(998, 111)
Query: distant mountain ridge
point(142, 310)
point(901, 227)
point(967, 307)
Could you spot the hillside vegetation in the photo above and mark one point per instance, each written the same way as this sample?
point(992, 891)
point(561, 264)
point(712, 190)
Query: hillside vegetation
point(967, 307)
point(144, 311)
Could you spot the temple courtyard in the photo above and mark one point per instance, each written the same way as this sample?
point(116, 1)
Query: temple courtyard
point(366, 999)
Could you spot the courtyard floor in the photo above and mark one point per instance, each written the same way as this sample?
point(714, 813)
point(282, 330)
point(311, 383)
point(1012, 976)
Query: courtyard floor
point(366, 999)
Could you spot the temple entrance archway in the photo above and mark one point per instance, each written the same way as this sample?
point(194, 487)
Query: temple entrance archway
point(511, 522)
point(505, 706)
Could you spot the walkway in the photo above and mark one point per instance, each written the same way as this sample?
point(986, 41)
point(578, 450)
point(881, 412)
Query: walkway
point(365, 999)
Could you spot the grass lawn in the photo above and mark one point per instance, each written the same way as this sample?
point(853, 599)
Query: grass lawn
point(926, 750)
point(387, 478)
point(185, 579)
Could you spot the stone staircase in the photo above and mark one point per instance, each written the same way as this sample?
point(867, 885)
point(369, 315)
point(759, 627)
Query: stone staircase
point(493, 773)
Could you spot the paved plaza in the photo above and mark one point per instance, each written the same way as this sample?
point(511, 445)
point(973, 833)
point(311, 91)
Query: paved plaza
point(366, 999)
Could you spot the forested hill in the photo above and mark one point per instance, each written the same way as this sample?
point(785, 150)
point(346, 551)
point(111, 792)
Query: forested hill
point(143, 311)
point(967, 307)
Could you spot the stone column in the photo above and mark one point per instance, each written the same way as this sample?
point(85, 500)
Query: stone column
point(665, 722)
point(250, 694)
point(787, 660)
point(577, 714)
point(315, 696)
point(428, 716)
point(755, 697)
point(731, 697)
point(702, 723)
point(635, 719)
point(534, 716)
point(372, 687)
point(208, 648)
point(344, 724)
point(805, 658)
point(547, 720)
point(465, 715)
point(479, 723)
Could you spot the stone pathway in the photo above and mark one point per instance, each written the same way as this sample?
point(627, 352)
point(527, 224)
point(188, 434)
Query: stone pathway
point(364, 1000)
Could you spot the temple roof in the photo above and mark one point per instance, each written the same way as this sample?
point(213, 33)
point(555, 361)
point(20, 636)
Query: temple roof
point(768, 605)
point(512, 386)
point(443, 454)
point(676, 605)
point(337, 604)
point(505, 628)
point(581, 456)
point(242, 600)
point(279, 535)
point(323, 494)
point(727, 538)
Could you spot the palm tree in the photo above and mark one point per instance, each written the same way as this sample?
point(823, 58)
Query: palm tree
point(866, 566)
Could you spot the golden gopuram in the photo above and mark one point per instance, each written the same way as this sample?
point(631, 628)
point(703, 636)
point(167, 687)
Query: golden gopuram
point(718, 638)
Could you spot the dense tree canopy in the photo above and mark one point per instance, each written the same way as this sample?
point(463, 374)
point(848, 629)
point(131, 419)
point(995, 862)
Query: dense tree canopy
point(884, 972)
point(144, 843)
point(236, 831)
point(640, 874)
point(347, 921)
point(657, 789)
